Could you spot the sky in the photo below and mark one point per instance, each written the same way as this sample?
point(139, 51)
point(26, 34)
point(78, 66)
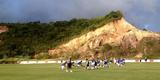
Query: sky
point(141, 13)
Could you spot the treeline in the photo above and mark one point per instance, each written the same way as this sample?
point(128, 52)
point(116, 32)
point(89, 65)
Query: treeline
point(25, 40)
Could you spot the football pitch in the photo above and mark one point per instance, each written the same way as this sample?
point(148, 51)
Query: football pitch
point(131, 71)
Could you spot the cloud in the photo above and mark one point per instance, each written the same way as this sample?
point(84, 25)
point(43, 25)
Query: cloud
point(138, 12)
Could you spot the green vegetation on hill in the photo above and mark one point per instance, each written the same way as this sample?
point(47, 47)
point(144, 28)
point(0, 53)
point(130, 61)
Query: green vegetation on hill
point(150, 47)
point(25, 40)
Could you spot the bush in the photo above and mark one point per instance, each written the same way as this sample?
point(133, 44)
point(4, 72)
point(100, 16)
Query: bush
point(9, 61)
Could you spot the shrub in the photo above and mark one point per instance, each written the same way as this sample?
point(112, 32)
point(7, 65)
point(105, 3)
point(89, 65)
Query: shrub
point(9, 61)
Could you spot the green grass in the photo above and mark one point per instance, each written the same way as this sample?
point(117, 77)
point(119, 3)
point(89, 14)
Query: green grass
point(131, 71)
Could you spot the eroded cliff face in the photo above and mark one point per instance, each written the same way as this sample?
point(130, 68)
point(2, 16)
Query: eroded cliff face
point(3, 29)
point(116, 32)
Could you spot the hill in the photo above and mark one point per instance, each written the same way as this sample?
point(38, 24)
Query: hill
point(116, 38)
point(109, 36)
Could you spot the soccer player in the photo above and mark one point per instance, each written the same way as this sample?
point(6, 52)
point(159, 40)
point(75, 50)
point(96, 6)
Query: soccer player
point(87, 64)
point(145, 59)
point(69, 65)
point(93, 64)
point(79, 63)
point(123, 61)
point(98, 63)
point(105, 63)
point(63, 63)
point(119, 62)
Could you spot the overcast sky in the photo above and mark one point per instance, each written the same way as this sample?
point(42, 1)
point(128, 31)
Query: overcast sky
point(142, 13)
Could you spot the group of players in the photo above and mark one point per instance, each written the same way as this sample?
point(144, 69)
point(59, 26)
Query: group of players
point(90, 64)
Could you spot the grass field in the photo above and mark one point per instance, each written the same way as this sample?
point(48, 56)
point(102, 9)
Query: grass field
point(131, 71)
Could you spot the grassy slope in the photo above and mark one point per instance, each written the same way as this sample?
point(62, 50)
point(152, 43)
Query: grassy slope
point(132, 71)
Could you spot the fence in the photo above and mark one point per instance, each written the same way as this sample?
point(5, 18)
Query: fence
point(58, 61)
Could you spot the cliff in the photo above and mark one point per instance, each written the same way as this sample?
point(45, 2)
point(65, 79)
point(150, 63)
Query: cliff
point(116, 32)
